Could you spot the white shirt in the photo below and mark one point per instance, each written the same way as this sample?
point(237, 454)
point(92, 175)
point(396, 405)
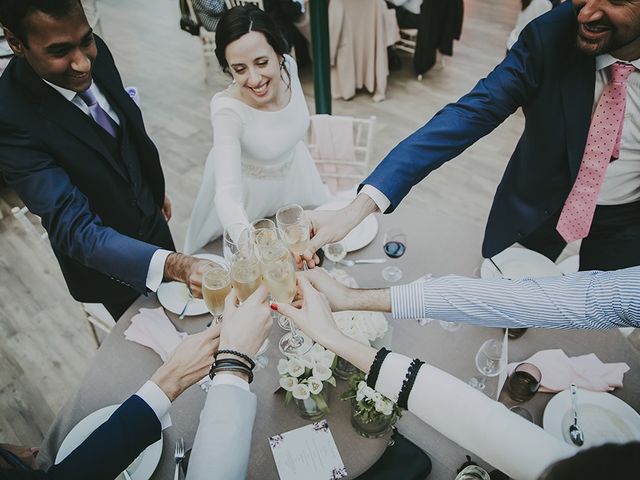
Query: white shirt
point(159, 402)
point(155, 273)
point(622, 179)
point(412, 6)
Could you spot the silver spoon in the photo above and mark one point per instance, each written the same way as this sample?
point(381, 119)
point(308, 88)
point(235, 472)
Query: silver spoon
point(351, 263)
point(575, 432)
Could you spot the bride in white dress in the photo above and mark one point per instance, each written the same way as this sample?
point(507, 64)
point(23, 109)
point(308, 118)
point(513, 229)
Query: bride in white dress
point(259, 161)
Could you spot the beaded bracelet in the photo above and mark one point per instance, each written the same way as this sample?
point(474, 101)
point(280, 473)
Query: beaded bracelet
point(407, 384)
point(374, 371)
point(252, 364)
point(248, 373)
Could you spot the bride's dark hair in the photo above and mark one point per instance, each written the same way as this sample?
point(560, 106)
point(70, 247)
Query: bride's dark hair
point(237, 22)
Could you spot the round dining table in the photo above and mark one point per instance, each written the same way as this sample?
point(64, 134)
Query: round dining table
point(437, 243)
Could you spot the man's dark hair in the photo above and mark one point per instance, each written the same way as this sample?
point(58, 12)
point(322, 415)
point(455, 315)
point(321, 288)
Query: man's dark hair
point(14, 12)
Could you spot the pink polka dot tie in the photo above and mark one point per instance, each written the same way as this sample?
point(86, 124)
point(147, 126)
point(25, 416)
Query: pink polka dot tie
point(603, 145)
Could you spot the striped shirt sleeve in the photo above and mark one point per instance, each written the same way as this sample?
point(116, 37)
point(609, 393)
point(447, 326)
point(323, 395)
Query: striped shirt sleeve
point(589, 300)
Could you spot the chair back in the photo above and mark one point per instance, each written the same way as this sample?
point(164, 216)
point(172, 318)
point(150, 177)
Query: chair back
point(342, 174)
point(237, 3)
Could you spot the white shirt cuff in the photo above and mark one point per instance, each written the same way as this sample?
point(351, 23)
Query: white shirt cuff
point(392, 373)
point(407, 301)
point(379, 198)
point(229, 379)
point(156, 269)
point(157, 400)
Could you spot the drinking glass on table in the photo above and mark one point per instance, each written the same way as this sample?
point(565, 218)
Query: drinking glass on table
point(295, 226)
point(524, 382)
point(334, 252)
point(394, 246)
point(490, 361)
point(279, 276)
point(216, 285)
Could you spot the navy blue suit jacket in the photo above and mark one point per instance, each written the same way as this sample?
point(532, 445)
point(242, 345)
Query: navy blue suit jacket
point(108, 450)
point(96, 212)
point(554, 83)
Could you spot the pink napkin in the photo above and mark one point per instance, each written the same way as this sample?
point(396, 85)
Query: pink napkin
point(152, 328)
point(586, 371)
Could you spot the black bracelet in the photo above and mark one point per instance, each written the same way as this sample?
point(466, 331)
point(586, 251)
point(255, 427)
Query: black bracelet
point(407, 384)
point(252, 364)
point(374, 371)
point(234, 363)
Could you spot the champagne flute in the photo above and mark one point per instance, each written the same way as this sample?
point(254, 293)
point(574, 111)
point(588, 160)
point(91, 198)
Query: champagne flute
point(216, 285)
point(490, 362)
point(268, 251)
point(279, 276)
point(236, 238)
point(245, 275)
point(293, 223)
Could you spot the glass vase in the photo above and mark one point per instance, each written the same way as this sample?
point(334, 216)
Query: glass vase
point(315, 407)
point(376, 427)
point(343, 369)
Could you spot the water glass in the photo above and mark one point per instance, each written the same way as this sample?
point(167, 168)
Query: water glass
point(490, 362)
point(524, 382)
point(394, 246)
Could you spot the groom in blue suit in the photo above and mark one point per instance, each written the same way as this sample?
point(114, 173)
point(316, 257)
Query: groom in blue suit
point(73, 145)
point(555, 73)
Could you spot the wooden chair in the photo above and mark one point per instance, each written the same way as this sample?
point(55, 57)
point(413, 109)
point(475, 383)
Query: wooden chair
point(99, 319)
point(356, 170)
point(236, 3)
point(207, 39)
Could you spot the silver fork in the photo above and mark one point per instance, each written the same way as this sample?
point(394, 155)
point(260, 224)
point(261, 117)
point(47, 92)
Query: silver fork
point(179, 455)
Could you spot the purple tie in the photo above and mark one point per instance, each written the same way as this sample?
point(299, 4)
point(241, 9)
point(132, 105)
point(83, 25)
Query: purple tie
point(98, 114)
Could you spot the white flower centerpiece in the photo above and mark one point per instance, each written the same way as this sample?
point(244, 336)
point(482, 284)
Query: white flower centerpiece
point(372, 414)
point(304, 379)
point(364, 327)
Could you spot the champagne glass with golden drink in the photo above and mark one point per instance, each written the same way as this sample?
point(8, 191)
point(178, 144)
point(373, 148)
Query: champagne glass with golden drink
point(270, 252)
point(246, 275)
point(279, 276)
point(294, 225)
point(216, 285)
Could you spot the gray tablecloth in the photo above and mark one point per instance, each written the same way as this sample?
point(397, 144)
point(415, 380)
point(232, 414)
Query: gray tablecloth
point(436, 243)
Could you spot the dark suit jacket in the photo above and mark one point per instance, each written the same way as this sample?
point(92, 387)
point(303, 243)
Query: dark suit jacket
point(98, 201)
point(108, 450)
point(554, 84)
point(440, 23)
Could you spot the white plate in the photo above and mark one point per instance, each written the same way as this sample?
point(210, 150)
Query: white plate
point(570, 265)
point(602, 417)
point(517, 263)
point(173, 295)
point(142, 467)
point(360, 236)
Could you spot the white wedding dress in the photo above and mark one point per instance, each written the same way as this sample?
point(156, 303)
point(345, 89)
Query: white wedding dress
point(258, 163)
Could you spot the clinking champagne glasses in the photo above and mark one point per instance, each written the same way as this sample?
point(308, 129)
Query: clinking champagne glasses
point(245, 274)
point(216, 285)
point(236, 239)
point(294, 225)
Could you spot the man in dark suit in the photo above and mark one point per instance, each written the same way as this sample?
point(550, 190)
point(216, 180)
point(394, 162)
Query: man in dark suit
point(556, 73)
point(74, 147)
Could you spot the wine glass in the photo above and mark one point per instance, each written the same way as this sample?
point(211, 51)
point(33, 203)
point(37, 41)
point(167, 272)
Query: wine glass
point(216, 285)
point(334, 252)
point(236, 238)
point(245, 275)
point(294, 225)
point(279, 276)
point(271, 250)
point(263, 223)
point(394, 246)
point(490, 361)
point(524, 382)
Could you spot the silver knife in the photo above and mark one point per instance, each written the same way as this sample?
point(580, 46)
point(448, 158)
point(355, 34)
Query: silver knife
point(371, 260)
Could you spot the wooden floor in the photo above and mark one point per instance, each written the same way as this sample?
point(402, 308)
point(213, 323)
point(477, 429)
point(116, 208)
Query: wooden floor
point(45, 344)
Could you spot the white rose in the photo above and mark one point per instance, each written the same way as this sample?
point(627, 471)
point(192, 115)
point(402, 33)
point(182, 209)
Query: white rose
point(288, 383)
point(316, 349)
point(361, 385)
point(296, 368)
point(368, 392)
point(307, 360)
point(388, 408)
point(315, 385)
point(283, 366)
point(300, 391)
point(379, 404)
point(327, 359)
point(321, 372)
point(359, 395)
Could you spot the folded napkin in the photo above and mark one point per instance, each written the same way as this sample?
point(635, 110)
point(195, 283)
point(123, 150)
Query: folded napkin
point(586, 371)
point(152, 328)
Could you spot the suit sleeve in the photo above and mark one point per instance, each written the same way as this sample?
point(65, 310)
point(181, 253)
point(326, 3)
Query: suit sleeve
point(459, 125)
point(223, 440)
point(111, 447)
point(73, 228)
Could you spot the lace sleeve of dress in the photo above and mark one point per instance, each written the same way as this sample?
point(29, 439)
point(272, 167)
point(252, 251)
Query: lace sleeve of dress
point(226, 162)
